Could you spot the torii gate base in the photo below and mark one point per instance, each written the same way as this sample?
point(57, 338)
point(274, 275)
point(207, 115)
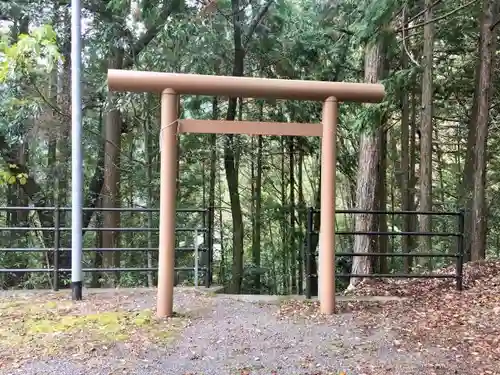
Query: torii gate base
point(171, 85)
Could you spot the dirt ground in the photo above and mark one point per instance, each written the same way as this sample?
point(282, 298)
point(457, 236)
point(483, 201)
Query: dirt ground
point(434, 330)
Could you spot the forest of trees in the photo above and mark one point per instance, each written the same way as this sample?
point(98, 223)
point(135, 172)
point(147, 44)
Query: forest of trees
point(431, 145)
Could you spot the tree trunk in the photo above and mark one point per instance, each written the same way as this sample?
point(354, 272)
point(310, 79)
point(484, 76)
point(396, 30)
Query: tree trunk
point(380, 264)
point(53, 136)
point(256, 254)
point(95, 279)
point(147, 129)
point(111, 187)
point(213, 178)
point(487, 48)
point(229, 157)
point(404, 170)
point(468, 171)
point(441, 178)
point(367, 175)
point(425, 242)
point(412, 178)
point(222, 268)
point(301, 218)
point(291, 233)
point(257, 208)
point(283, 221)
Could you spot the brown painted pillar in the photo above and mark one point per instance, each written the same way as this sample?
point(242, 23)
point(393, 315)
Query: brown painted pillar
point(168, 175)
point(327, 230)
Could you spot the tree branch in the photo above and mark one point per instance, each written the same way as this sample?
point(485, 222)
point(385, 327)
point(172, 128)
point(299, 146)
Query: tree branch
point(440, 17)
point(408, 53)
point(495, 24)
point(422, 12)
point(256, 22)
point(144, 41)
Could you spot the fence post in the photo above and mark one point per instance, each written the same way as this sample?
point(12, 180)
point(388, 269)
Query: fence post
point(460, 250)
point(57, 238)
point(209, 242)
point(196, 257)
point(206, 254)
point(310, 214)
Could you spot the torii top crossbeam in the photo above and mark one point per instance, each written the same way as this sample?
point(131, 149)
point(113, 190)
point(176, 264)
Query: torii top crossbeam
point(247, 87)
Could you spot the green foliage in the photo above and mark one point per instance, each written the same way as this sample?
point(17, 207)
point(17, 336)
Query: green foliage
point(25, 67)
point(370, 117)
point(11, 178)
point(400, 81)
point(33, 54)
point(376, 16)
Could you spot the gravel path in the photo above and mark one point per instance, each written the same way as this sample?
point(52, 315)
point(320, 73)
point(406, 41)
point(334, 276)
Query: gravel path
point(234, 337)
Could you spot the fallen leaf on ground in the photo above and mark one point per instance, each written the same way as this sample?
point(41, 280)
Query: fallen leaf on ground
point(464, 324)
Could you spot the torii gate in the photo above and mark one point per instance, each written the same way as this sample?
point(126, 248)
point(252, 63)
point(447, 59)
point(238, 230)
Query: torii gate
point(171, 85)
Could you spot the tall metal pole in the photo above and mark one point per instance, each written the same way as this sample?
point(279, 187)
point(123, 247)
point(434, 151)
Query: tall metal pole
point(76, 153)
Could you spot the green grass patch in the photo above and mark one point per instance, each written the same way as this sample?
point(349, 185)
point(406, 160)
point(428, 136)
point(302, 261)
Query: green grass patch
point(48, 328)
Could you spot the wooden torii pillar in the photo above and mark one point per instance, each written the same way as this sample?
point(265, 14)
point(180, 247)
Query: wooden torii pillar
point(171, 85)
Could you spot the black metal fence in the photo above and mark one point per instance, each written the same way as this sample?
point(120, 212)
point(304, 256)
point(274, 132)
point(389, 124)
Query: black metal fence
point(458, 254)
point(56, 231)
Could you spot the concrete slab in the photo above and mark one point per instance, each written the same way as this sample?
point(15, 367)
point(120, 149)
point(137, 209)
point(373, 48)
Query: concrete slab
point(277, 299)
point(30, 292)
point(216, 291)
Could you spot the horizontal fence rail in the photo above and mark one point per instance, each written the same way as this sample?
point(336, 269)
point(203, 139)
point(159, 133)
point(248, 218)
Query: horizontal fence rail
point(458, 255)
point(94, 229)
point(56, 229)
point(102, 209)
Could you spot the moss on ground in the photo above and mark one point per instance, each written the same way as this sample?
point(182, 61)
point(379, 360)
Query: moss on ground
point(48, 328)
